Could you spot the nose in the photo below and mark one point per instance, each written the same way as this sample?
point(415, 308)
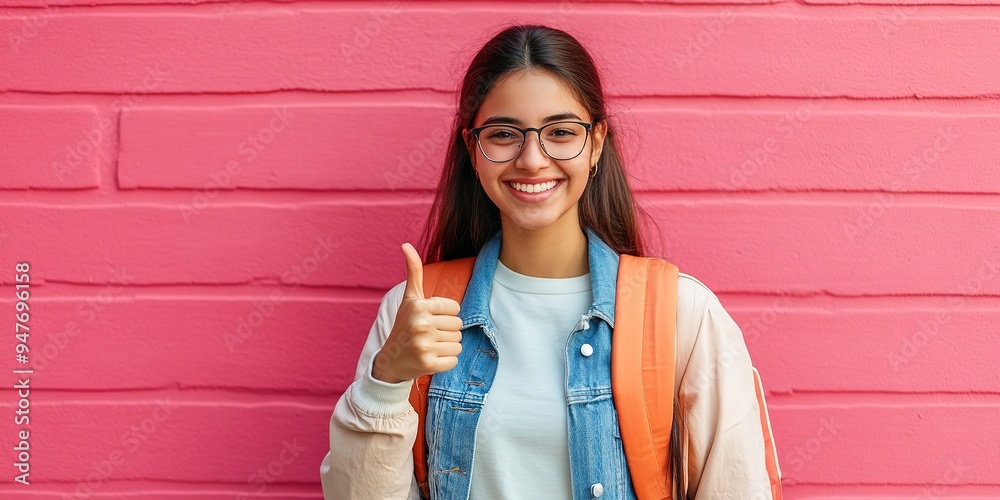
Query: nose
point(532, 157)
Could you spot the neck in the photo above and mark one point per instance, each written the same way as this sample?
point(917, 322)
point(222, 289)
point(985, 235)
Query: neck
point(557, 251)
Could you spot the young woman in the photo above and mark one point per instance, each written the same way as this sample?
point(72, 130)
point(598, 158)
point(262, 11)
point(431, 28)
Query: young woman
point(534, 187)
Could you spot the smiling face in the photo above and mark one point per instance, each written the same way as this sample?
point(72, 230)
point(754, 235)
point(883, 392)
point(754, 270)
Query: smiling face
point(535, 191)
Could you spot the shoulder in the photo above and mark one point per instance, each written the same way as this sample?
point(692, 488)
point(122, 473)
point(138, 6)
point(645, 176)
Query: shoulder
point(704, 329)
point(694, 302)
point(693, 297)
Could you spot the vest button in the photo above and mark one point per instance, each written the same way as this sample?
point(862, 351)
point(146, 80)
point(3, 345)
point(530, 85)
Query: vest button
point(597, 489)
point(587, 350)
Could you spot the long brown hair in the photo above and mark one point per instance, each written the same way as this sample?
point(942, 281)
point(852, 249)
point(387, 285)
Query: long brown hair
point(463, 217)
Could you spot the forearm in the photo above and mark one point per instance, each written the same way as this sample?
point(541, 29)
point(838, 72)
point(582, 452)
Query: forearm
point(724, 432)
point(730, 463)
point(372, 431)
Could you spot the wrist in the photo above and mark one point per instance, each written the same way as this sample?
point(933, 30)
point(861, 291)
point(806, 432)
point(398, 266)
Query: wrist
point(382, 371)
point(380, 398)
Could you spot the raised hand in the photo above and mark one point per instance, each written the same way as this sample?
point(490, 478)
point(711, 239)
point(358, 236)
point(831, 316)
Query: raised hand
point(426, 334)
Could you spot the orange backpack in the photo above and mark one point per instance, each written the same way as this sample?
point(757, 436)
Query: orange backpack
point(642, 370)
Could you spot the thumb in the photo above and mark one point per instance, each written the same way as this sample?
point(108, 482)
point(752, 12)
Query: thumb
point(414, 273)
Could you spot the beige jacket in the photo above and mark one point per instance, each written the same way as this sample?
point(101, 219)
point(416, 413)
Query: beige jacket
point(373, 426)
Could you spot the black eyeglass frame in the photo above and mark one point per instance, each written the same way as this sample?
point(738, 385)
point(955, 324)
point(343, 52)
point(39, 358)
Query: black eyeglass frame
point(524, 137)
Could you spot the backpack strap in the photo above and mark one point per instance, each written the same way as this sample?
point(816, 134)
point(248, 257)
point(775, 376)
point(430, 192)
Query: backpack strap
point(770, 454)
point(642, 369)
point(441, 279)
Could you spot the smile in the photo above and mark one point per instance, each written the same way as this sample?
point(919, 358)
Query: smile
point(533, 188)
point(533, 193)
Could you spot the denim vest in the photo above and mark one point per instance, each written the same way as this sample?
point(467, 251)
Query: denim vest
point(455, 397)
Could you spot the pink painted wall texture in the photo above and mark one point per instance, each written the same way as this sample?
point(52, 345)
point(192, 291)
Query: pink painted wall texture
point(211, 197)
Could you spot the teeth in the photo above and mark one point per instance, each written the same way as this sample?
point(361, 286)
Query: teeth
point(534, 188)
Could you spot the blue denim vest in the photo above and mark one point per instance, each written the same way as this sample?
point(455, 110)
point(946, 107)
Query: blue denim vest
point(455, 397)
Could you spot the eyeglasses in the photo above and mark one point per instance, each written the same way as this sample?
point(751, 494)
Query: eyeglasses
point(559, 140)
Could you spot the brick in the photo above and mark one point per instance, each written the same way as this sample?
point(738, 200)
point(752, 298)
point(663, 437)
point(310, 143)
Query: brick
point(284, 147)
point(875, 244)
point(308, 245)
point(815, 145)
point(143, 490)
point(693, 53)
point(53, 147)
point(168, 438)
point(947, 345)
point(890, 492)
point(235, 343)
point(901, 11)
point(942, 443)
point(228, 7)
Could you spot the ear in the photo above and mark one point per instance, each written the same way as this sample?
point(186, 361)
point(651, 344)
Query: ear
point(470, 144)
point(599, 131)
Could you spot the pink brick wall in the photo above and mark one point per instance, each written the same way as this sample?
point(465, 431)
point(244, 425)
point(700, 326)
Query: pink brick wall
point(211, 217)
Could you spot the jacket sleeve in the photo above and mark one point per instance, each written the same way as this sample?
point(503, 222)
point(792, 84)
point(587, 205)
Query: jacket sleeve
point(724, 435)
point(372, 428)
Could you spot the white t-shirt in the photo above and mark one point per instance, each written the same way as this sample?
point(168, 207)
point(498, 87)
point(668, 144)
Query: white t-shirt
point(522, 438)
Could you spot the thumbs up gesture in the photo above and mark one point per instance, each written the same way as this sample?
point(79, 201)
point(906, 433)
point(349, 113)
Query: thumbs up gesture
point(426, 335)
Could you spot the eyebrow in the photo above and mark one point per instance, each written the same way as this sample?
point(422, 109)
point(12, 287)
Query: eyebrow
point(514, 121)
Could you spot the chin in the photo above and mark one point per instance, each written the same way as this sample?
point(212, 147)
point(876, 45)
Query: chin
point(535, 221)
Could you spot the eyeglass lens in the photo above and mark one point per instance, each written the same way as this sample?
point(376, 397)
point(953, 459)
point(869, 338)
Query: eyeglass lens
point(561, 141)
